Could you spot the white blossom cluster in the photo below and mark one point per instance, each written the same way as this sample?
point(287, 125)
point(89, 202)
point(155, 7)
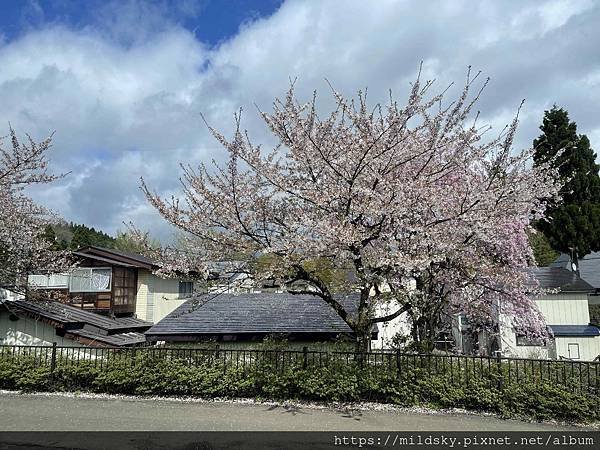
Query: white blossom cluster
point(23, 249)
point(391, 193)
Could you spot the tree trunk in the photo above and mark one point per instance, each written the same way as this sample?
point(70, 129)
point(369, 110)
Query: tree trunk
point(423, 333)
point(363, 340)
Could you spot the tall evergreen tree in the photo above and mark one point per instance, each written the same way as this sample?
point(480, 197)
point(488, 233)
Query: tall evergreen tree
point(573, 226)
point(542, 250)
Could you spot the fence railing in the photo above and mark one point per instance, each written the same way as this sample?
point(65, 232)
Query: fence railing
point(458, 370)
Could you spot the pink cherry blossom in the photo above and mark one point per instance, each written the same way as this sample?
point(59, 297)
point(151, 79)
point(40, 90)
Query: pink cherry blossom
point(22, 222)
point(394, 193)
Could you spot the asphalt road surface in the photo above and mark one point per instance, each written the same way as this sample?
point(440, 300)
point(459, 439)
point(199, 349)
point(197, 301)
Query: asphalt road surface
point(22, 412)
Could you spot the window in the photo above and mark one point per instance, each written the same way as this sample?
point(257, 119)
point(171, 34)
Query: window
point(463, 322)
point(186, 288)
point(90, 279)
point(573, 350)
point(523, 341)
point(125, 286)
point(49, 281)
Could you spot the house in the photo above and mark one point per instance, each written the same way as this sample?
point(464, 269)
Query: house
point(116, 283)
point(44, 322)
point(588, 268)
point(250, 317)
point(232, 277)
point(565, 309)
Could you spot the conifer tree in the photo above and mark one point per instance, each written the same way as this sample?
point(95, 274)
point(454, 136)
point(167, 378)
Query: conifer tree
point(573, 226)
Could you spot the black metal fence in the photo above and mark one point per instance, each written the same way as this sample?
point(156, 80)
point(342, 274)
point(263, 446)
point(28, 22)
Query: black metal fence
point(461, 370)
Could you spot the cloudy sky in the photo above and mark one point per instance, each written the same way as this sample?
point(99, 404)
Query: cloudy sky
point(123, 83)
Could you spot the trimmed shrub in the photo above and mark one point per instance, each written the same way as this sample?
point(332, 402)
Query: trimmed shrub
point(336, 381)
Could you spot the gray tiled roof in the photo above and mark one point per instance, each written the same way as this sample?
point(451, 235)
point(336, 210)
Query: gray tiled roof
point(211, 314)
point(589, 267)
point(559, 278)
point(65, 314)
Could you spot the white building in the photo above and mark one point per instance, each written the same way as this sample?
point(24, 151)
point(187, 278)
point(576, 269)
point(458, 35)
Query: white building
point(567, 316)
point(588, 269)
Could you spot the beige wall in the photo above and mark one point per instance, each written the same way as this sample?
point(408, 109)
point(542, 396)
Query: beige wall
point(565, 309)
point(558, 309)
point(589, 347)
point(156, 297)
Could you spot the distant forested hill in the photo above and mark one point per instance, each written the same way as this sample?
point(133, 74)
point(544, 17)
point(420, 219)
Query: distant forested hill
point(72, 236)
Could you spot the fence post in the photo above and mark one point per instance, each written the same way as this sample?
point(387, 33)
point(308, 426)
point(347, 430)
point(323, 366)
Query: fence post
point(304, 357)
point(53, 360)
point(217, 351)
point(398, 365)
point(500, 371)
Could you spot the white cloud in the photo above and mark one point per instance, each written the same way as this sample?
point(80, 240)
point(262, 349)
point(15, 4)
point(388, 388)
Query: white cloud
point(124, 95)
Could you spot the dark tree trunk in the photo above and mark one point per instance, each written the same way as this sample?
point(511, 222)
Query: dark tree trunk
point(363, 341)
point(362, 326)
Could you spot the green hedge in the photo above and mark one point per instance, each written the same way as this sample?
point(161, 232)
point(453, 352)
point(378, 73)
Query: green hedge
point(336, 382)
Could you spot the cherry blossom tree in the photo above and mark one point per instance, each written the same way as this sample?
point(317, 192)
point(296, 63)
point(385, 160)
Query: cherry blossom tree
point(23, 248)
point(424, 207)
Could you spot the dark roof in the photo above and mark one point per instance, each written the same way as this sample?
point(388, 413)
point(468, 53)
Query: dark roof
point(119, 331)
point(126, 259)
point(264, 313)
point(589, 267)
point(66, 314)
point(117, 340)
point(559, 278)
point(111, 261)
point(574, 330)
point(563, 261)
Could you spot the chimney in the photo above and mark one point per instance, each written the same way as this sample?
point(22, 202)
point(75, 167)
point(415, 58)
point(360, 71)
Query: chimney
point(574, 262)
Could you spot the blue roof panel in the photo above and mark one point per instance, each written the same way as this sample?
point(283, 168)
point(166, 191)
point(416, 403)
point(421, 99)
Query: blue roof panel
point(574, 330)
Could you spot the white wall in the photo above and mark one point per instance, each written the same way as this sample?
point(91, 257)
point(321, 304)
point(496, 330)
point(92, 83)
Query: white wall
point(5, 294)
point(156, 297)
point(27, 331)
point(589, 347)
point(565, 308)
point(510, 348)
point(558, 309)
point(387, 330)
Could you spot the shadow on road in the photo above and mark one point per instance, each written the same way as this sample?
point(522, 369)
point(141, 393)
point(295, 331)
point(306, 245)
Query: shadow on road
point(347, 413)
point(290, 409)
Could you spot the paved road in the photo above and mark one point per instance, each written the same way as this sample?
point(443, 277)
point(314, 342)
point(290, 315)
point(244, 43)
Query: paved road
point(60, 413)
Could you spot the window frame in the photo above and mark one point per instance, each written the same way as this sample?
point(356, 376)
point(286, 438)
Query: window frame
point(522, 341)
point(124, 285)
point(48, 276)
point(185, 293)
point(575, 345)
point(91, 271)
